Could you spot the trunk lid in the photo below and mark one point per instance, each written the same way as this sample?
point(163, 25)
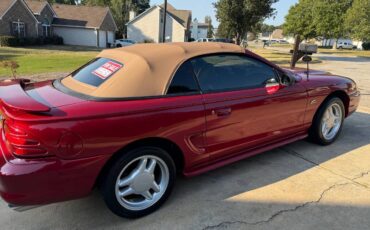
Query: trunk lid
point(21, 95)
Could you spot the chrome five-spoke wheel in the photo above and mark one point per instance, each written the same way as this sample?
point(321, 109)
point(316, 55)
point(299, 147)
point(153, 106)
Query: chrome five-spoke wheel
point(331, 121)
point(137, 182)
point(142, 182)
point(327, 122)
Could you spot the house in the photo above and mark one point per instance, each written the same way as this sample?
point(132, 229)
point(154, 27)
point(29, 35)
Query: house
point(149, 25)
point(199, 29)
point(77, 25)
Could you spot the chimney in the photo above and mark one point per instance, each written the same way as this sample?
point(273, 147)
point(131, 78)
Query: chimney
point(132, 15)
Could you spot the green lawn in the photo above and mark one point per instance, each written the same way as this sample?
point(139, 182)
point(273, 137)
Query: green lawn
point(46, 59)
point(277, 57)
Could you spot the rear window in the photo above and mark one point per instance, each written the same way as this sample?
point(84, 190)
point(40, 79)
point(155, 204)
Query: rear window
point(97, 71)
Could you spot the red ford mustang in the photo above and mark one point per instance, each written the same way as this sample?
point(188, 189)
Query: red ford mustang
point(132, 118)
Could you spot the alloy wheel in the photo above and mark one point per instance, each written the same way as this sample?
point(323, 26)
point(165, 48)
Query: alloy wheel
point(142, 182)
point(331, 121)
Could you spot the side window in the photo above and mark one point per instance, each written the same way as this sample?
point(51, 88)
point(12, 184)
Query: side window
point(231, 72)
point(184, 80)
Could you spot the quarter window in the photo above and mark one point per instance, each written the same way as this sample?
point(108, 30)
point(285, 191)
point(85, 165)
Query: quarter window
point(184, 80)
point(230, 72)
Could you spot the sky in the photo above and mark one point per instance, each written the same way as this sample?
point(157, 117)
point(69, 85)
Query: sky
point(202, 8)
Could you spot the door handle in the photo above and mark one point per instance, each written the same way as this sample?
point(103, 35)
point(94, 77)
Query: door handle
point(222, 112)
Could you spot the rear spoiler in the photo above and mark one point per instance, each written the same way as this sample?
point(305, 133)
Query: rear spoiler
point(12, 95)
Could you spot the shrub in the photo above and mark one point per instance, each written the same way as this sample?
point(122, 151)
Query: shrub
point(30, 41)
point(8, 41)
point(366, 45)
point(57, 40)
point(148, 41)
point(12, 65)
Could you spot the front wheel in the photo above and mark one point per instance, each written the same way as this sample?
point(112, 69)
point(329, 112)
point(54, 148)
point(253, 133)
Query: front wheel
point(328, 122)
point(139, 182)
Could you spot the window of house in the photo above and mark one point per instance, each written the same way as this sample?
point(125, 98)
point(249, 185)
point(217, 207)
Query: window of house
point(184, 80)
point(231, 72)
point(19, 29)
point(46, 32)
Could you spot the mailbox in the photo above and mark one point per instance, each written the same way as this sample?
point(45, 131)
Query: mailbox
point(307, 48)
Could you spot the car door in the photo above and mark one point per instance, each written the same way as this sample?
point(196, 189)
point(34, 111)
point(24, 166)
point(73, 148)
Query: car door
point(242, 110)
point(184, 88)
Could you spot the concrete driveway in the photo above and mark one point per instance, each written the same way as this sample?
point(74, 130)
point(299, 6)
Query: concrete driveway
point(298, 186)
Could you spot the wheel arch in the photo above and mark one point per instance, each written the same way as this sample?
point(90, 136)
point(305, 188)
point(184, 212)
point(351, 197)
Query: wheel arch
point(169, 146)
point(342, 96)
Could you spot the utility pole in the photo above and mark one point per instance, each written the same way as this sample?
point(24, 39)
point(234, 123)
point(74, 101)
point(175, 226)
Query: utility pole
point(164, 22)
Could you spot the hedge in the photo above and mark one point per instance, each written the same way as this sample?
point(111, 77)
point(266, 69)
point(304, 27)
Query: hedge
point(366, 45)
point(8, 41)
point(30, 41)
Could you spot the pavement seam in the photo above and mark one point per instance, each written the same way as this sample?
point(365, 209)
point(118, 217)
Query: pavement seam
point(281, 212)
point(353, 180)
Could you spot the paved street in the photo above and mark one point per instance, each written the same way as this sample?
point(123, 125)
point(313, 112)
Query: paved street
point(298, 186)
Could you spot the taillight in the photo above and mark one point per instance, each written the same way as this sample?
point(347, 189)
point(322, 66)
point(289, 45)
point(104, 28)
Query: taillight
point(21, 144)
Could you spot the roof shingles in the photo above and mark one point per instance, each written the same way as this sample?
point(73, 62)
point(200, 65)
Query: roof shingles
point(36, 6)
point(82, 16)
point(4, 6)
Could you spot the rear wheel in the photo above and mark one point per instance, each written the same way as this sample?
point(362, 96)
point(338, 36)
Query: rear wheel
point(118, 45)
point(328, 122)
point(139, 182)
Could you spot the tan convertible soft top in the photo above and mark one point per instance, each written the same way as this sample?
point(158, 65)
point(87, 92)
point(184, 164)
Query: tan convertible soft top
point(147, 68)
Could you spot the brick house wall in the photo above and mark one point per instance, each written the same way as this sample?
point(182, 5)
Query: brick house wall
point(21, 13)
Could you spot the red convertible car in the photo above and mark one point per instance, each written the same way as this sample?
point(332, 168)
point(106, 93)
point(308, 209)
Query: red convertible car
point(129, 120)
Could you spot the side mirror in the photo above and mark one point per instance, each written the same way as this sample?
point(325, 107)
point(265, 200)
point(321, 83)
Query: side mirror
point(272, 85)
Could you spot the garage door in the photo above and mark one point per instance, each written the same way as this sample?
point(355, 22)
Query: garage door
point(111, 37)
point(76, 36)
point(102, 38)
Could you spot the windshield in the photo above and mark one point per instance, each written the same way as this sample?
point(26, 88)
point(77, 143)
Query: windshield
point(97, 71)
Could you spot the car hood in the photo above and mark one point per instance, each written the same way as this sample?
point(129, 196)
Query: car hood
point(300, 75)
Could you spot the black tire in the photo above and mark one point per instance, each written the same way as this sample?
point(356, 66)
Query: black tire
point(315, 133)
point(108, 182)
point(118, 45)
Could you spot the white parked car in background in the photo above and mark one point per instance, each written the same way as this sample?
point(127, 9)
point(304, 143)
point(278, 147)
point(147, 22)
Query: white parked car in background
point(124, 42)
point(205, 40)
point(345, 45)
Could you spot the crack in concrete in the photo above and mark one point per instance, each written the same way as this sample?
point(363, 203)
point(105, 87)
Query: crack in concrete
point(281, 212)
point(296, 154)
point(362, 175)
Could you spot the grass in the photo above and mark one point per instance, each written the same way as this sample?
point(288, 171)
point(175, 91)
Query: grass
point(277, 57)
point(45, 59)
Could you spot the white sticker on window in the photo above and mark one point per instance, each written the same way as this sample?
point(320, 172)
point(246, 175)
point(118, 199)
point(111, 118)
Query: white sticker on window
point(106, 70)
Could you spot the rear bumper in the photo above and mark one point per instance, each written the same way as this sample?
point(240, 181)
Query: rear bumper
point(36, 182)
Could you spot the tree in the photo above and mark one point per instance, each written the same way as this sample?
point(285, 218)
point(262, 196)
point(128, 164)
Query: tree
point(237, 17)
point(208, 20)
point(139, 6)
point(96, 2)
point(329, 16)
point(298, 23)
point(299, 20)
point(357, 20)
